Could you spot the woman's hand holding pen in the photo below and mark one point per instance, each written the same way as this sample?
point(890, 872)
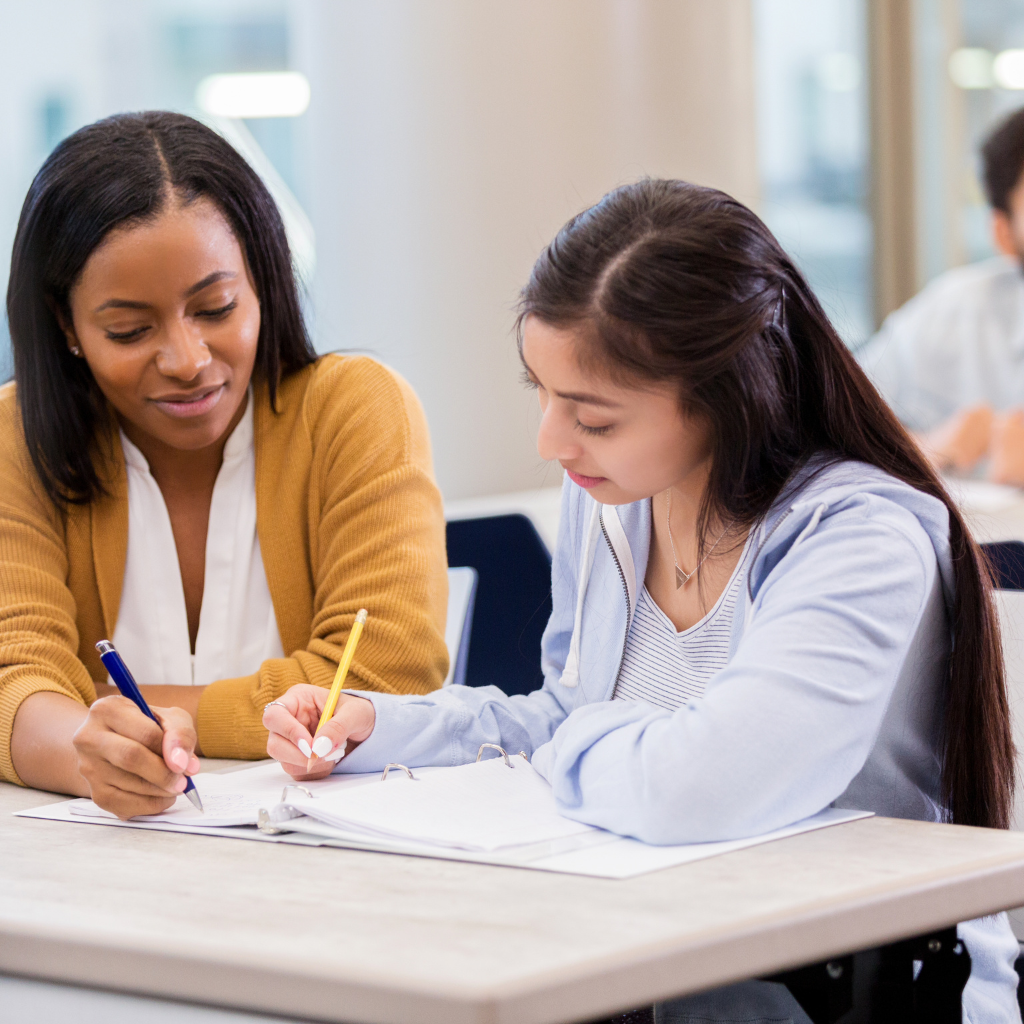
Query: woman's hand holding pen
point(131, 766)
point(292, 719)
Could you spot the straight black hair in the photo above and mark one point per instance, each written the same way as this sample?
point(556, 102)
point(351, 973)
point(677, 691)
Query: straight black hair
point(121, 171)
point(670, 282)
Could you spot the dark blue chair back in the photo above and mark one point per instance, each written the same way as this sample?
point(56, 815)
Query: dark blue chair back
point(513, 599)
point(1006, 558)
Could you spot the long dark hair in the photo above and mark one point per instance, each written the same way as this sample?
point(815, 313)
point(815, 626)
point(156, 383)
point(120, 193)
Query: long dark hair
point(667, 281)
point(112, 173)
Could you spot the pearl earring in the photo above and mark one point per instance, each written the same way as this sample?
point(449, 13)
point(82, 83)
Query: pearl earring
point(75, 350)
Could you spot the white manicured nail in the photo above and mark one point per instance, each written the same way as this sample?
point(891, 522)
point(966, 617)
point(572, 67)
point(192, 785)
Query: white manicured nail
point(322, 745)
point(337, 755)
point(303, 745)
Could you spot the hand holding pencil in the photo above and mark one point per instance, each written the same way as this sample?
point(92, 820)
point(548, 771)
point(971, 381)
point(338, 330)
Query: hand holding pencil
point(311, 728)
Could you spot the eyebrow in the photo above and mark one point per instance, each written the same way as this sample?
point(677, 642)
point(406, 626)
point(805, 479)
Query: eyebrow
point(584, 399)
point(578, 396)
point(217, 275)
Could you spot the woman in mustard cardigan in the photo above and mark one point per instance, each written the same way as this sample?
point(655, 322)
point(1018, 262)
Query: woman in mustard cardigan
point(181, 474)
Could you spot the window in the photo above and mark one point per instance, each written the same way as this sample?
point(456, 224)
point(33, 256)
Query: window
point(813, 148)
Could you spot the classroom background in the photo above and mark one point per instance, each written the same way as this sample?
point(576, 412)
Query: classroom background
point(423, 152)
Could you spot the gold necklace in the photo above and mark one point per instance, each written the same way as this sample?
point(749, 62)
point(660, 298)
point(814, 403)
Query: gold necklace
point(682, 577)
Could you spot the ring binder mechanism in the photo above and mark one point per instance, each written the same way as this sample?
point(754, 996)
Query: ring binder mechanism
point(493, 746)
point(492, 804)
point(267, 821)
point(501, 750)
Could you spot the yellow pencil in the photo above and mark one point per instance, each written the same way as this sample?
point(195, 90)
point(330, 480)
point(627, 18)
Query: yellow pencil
point(339, 679)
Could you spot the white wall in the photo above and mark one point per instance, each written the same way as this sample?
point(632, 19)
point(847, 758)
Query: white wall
point(452, 138)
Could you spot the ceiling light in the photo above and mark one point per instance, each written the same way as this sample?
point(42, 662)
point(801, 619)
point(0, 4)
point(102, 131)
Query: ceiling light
point(262, 94)
point(970, 67)
point(1008, 69)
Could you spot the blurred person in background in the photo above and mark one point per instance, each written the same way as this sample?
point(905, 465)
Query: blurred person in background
point(951, 361)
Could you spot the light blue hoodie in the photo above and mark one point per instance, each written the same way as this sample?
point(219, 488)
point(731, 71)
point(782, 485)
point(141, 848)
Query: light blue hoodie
point(832, 694)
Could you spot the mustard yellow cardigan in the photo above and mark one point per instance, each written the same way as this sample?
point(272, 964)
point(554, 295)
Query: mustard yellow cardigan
point(348, 517)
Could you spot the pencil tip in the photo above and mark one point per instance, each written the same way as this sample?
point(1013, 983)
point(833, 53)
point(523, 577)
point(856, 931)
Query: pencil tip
point(312, 761)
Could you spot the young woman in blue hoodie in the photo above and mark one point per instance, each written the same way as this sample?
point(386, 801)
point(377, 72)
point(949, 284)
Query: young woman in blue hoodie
point(765, 603)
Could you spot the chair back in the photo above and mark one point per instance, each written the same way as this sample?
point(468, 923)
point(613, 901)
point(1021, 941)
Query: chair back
point(513, 598)
point(1006, 559)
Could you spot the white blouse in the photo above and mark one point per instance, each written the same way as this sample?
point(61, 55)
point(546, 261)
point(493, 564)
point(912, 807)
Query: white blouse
point(237, 626)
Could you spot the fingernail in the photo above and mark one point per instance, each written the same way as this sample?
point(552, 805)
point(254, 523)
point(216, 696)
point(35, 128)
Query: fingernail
point(322, 745)
point(337, 755)
point(178, 759)
point(194, 765)
point(303, 745)
point(179, 786)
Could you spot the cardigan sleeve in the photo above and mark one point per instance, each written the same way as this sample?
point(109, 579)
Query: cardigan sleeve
point(376, 541)
point(38, 634)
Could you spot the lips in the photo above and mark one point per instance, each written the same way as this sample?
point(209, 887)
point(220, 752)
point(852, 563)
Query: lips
point(585, 481)
point(187, 406)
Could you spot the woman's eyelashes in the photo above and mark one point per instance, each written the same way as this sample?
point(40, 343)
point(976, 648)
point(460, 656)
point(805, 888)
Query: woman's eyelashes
point(216, 314)
point(207, 314)
point(593, 431)
point(527, 381)
point(126, 335)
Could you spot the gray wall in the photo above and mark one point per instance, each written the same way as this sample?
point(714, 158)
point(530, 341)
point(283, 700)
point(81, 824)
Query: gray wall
point(451, 139)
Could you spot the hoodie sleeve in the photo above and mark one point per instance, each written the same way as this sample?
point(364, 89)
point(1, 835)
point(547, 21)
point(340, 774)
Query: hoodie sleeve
point(446, 727)
point(787, 724)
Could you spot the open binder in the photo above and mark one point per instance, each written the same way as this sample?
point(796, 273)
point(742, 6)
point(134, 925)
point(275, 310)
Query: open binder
point(495, 811)
point(490, 807)
point(460, 806)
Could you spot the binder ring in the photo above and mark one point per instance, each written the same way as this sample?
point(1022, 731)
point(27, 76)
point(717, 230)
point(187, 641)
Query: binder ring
point(395, 764)
point(264, 824)
point(494, 746)
point(293, 785)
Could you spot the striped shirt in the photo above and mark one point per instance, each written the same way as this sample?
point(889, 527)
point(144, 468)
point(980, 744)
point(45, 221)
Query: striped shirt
point(670, 669)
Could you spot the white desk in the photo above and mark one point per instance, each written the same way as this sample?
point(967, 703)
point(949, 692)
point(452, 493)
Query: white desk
point(401, 939)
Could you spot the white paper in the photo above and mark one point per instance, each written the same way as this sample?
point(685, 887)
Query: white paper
point(585, 851)
point(484, 806)
point(228, 800)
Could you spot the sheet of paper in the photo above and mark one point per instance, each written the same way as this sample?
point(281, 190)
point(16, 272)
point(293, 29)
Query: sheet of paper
point(231, 799)
point(485, 806)
point(597, 853)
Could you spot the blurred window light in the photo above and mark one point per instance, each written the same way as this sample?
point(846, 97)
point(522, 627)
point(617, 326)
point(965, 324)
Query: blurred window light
point(838, 72)
point(970, 67)
point(1008, 69)
point(258, 94)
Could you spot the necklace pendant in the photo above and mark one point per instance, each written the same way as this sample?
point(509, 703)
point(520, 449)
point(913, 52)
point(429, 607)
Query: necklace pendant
point(682, 578)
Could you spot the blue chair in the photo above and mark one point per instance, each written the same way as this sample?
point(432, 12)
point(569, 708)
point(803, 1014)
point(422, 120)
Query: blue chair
point(513, 598)
point(1006, 560)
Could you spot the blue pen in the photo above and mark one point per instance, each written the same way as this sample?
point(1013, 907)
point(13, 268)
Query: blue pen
point(129, 688)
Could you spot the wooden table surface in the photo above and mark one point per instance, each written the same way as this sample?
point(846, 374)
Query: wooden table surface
point(339, 935)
